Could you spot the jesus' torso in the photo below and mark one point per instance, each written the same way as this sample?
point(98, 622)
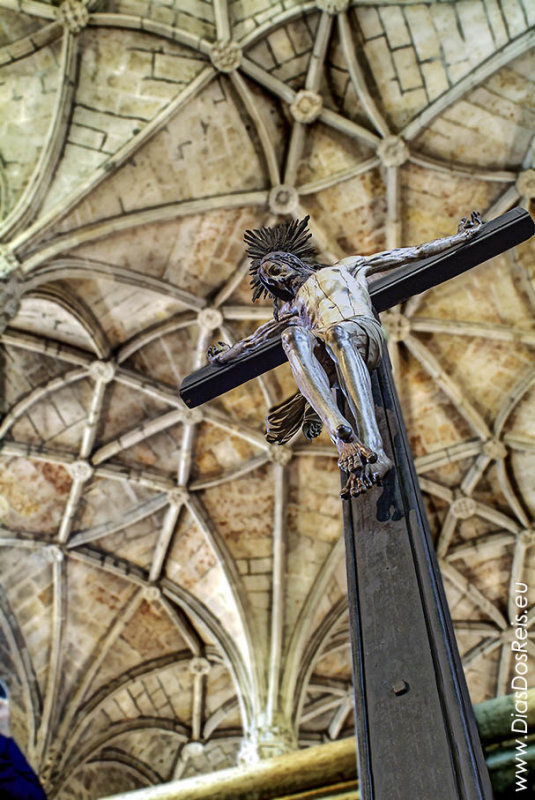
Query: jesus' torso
point(332, 295)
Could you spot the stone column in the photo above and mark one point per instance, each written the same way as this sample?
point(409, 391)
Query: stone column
point(267, 741)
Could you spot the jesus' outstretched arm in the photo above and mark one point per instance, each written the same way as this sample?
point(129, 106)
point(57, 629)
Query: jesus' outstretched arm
point(221, 353)
point(390, 259)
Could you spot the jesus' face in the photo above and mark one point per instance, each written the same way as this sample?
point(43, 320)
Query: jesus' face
point(282, 274)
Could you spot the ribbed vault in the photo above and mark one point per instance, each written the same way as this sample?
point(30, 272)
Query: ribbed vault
point(173, 588)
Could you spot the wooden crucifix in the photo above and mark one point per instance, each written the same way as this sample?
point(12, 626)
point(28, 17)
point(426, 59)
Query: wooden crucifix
point(416, 733)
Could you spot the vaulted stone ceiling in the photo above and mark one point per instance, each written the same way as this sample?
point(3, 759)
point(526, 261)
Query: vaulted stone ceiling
point(173, 588)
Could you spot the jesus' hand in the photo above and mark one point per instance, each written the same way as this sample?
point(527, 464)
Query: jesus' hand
point(469, 223)
point(215, 350)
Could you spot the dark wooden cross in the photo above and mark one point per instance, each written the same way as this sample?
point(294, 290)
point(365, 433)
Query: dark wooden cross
point(416, 733)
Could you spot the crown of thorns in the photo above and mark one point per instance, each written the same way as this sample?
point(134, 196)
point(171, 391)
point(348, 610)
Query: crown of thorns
point(288, 237)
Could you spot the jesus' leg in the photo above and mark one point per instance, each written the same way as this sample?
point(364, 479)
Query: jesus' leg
point(299, 344)
point(343, 342)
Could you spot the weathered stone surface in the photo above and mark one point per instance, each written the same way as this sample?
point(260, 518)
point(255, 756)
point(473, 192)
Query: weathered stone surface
point(285, 51)
point(73, 14)
point(28, 83)
point(495, 449)
point(226, 56)
point(11, 288)
point(280, 454)
point(210, 318)
point(463, 508)
point(307, 106)
point(121, 87)
point(267, 741)
point(102, 371)
point(396, 324)
point(199, 666)
point(333, 6)
point(526, 183)
point(283, 200)
point(177, 496)
point(80, 470)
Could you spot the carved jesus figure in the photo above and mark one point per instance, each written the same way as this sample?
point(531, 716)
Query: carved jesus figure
point(331, 338)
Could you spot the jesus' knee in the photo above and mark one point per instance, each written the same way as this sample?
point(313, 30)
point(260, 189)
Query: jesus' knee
point(337, 337)
point(295, 338)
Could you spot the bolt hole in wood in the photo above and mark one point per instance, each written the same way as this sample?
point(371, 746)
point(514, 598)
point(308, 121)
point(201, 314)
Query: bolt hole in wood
point(400, 687)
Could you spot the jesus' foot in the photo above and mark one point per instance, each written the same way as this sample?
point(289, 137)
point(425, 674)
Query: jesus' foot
point(357, 483)
point(378, 470)
point(368, 475)
point(353, 455)
point(344, 433)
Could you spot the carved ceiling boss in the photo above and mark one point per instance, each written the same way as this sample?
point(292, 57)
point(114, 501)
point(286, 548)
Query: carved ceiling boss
point(331, 338)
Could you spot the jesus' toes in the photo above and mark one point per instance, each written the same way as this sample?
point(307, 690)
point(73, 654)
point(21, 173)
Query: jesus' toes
point(357, 486)
point(346, 491)
point(367, 477)
point(357, 483)
point(355, 463)
point(367, 455)
point(350, 463)
point(354, 455)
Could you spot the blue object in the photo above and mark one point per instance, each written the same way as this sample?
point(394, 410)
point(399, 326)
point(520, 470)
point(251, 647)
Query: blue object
point(18, 781)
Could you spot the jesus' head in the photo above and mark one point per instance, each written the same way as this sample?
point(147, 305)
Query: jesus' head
point(282, 274)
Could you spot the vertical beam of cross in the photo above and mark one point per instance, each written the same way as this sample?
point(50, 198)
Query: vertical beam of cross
point(407, 671)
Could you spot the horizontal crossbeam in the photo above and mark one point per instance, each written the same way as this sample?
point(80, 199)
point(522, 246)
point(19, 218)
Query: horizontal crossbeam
point(495, 237)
